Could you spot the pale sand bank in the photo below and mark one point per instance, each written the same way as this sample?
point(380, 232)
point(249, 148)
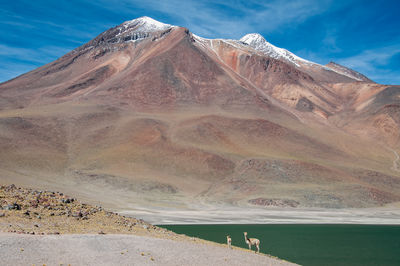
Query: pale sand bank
point(236, 215)
point(121, 250)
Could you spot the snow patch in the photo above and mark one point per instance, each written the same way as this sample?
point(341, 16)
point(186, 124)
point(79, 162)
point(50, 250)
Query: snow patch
point(258, 42)
point(203, 42)
point(139, 29)
point(146, 24)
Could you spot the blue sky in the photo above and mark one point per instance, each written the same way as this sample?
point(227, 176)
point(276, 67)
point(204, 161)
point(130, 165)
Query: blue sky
point(361, 34)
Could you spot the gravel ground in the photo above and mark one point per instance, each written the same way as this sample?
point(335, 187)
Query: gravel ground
point(19, 249)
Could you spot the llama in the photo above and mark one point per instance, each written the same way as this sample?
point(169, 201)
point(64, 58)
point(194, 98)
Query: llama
point(229, 241)
point(252, 242)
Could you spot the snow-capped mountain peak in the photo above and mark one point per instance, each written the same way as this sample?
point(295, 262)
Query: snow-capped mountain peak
point(146, 24)
point(255, 40)
point(135, 30)
point(258, 42)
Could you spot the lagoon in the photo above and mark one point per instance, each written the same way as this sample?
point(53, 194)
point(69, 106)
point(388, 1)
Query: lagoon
point(310, 244)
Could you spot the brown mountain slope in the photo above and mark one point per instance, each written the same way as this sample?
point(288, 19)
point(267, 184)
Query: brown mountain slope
point(148, 114)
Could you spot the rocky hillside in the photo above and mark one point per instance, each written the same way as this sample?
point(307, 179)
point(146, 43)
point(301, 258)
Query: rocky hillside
point(28, 211)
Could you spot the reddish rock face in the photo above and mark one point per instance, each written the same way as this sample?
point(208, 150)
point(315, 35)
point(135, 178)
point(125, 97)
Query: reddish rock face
point(147, 106)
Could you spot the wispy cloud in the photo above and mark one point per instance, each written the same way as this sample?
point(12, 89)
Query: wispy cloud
point(369, 59)
point(219, 19)
point(15, 61)
point(40, 55)
point(375, 64)
point(13, 69)
point(330, 40)
point(378, 64)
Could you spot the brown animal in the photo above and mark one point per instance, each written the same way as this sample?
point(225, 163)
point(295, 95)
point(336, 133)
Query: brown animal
point(252, 242)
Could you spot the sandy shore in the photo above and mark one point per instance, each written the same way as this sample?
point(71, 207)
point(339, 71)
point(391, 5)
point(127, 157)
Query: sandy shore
point(236, 215)
point(120, 250)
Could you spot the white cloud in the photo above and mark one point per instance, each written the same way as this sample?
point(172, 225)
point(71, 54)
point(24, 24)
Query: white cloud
point(40, 55)
point(368, 59)
point(13, 70)
point(15, 61)
point(374, 64)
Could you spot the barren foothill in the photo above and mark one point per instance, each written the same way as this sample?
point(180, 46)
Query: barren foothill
point(28, 211)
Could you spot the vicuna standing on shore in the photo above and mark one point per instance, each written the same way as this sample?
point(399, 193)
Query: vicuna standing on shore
point(229, 241)
point(252, 242)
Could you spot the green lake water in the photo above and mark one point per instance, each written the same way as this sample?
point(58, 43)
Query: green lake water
point(310, 244)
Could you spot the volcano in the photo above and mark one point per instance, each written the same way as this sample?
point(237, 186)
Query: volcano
point(150, 114)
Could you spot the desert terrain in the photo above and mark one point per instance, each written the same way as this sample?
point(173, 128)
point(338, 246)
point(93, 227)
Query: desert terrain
point(152, 121)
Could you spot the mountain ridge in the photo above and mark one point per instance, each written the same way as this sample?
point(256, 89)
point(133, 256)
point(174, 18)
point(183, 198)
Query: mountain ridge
point(147, 25)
